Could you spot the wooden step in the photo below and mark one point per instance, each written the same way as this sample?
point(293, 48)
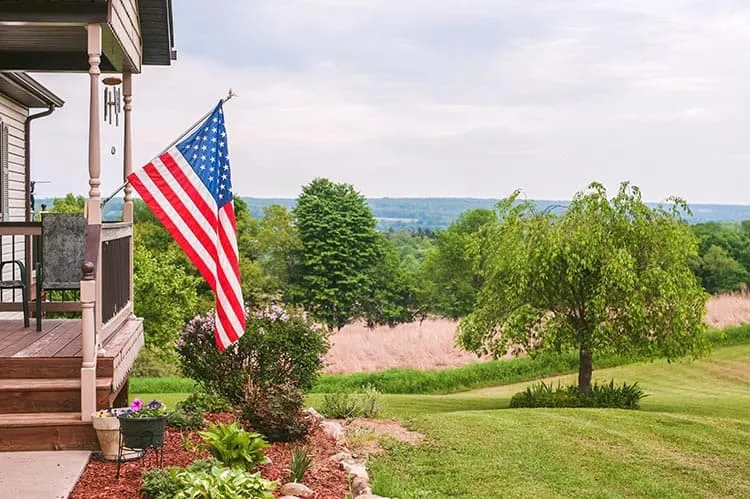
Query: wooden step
point(46, 431)
point(50, 367)
point(25, 395)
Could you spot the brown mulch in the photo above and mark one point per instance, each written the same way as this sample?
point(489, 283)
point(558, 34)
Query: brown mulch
point(325, 478)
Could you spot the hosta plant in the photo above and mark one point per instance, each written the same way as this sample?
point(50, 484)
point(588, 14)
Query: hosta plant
point(234, 446)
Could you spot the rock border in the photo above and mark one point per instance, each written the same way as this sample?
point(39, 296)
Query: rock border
point(355, 470)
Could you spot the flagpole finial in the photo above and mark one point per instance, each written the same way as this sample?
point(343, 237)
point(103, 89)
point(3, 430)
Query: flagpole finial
point(230, 95)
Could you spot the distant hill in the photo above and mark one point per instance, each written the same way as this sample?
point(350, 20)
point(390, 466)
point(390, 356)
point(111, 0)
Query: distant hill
point(438, 213)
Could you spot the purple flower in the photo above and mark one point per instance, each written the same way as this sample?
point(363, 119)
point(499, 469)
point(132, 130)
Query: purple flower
point(136, 405)
point(154, 404)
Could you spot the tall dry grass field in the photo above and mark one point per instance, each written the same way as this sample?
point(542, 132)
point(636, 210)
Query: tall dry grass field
point(728, 310)
point(431, 345)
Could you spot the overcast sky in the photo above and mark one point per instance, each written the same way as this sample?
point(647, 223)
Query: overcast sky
point(443, 98)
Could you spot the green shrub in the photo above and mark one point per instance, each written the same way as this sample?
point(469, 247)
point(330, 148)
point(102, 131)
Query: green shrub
point(162, 483)
point(276, 411)
point(203, 402)
point(350, 405)
point(205, 479)
point(369, 402)
point(278, 347)
point(224, 483)
point(157, 362)
point(181, 420)
point(300, 463)
point(604, 396)
point(339, 405)
point(233, 446)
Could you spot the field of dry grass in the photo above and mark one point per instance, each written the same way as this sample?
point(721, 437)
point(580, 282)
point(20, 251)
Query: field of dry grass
point(431, 345)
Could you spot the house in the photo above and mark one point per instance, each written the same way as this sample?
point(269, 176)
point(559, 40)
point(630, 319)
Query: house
point(55, 372)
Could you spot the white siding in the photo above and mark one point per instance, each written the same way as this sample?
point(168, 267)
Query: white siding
point(14, 115)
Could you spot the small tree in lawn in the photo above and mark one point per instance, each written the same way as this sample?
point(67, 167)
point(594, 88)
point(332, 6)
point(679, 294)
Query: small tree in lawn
point(608, 275)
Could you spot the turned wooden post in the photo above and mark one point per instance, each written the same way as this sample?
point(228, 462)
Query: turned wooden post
point(127, 169)
point(90, 285)
point(88, 337)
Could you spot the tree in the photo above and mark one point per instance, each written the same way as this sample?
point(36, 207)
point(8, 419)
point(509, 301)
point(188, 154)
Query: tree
point(70, 204)
point(605, 276)
point(449, 281)
point(338, 250)
point(278, 242)
point(720, 272)
point(165, 293)
point(390, 298)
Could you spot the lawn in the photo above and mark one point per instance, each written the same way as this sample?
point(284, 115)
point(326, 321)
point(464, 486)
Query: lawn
point(691, 438)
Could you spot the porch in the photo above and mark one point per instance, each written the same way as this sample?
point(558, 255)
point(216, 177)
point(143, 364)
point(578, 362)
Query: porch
point(40, 382)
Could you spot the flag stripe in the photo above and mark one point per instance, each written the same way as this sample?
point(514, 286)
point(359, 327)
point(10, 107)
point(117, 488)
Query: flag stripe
point(176, 226)
point(183, 204)
point(194, 188)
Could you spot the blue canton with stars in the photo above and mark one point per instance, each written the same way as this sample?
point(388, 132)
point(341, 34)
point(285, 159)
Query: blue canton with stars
point(207, 153)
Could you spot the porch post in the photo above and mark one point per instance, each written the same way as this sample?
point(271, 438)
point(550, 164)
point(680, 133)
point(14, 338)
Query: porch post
point(127, 169)
point(90, 285)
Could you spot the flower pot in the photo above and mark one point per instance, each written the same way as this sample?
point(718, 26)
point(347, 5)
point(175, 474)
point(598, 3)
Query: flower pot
point(108, 434)
point(142, 433)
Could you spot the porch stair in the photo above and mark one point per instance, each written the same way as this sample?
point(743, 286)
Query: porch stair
point(40, 396)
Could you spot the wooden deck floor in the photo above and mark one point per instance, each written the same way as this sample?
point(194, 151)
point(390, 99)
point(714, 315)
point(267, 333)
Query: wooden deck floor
point(58, 338)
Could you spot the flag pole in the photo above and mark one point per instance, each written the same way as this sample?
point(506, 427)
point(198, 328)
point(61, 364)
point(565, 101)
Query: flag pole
point(192, 127)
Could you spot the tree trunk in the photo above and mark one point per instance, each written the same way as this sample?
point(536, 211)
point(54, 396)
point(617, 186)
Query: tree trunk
point(584, 371)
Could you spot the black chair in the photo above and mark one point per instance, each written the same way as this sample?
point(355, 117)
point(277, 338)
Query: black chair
point(18, 284)
point(62, 250)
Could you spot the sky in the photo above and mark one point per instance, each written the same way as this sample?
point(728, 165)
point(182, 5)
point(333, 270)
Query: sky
point(438, 98)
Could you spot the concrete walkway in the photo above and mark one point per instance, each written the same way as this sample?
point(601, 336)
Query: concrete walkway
point(41, 475)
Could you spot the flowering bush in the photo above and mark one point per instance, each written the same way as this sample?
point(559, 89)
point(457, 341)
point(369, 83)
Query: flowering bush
point(138, 410)
point(279, 346)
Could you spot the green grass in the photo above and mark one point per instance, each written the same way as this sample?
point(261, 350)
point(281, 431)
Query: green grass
point(161, 385)
point(691, 439)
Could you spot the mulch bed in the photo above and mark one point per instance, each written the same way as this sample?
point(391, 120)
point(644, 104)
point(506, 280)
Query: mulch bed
point(325, 478)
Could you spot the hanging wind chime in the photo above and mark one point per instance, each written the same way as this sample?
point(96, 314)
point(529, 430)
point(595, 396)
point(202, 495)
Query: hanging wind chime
point(112, 99)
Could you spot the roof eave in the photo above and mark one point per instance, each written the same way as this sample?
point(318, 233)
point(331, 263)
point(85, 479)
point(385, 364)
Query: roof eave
point(31, 92)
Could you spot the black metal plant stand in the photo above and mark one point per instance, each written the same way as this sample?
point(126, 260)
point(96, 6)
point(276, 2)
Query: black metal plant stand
point(138, 436)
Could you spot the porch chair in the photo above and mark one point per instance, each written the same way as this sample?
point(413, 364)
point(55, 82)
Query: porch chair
point(62, 251)
point(17, 284)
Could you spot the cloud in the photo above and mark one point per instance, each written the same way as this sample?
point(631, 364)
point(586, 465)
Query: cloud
point(444, 98)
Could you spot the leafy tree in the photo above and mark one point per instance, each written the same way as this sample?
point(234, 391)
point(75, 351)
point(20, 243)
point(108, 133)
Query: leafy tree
point(278, 242)
point(165, 293)
point(449, 280)
point(607, 275)
point(720, 272)
point(391, 297)
point(338, 250)
point(70, 204)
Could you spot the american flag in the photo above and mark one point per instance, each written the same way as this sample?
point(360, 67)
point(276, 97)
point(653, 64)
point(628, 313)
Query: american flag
point(189, 189)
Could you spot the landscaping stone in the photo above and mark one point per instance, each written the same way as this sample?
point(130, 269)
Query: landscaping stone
point(342, 456)
point(332, 429)
point(361, 485)
point(355, 469)
point(289, 497)
point(314, 415)
point(295, 489)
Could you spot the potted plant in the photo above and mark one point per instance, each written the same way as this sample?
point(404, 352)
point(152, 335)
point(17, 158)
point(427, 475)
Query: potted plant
point(142, 425)
point(107, 427)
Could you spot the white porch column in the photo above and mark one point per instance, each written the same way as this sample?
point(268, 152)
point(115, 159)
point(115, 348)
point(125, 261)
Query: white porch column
point(91, 283)
point(127, 169)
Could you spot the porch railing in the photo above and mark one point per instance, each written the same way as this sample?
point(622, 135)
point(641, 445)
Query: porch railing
point(115, 267)
point(18, 242)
